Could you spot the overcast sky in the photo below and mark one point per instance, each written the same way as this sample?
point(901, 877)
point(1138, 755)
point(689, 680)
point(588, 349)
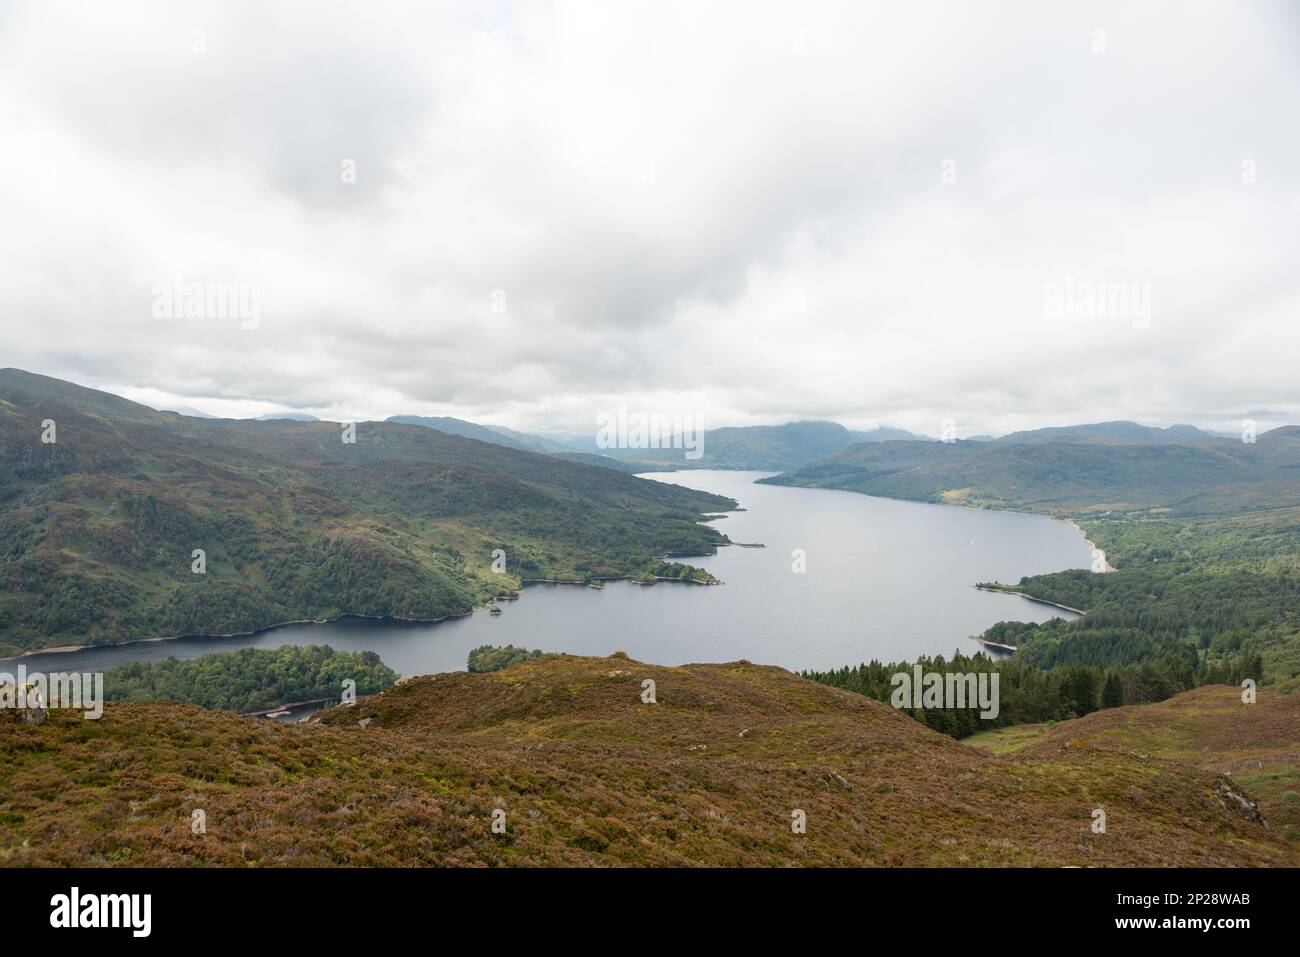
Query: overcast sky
point(879, 214)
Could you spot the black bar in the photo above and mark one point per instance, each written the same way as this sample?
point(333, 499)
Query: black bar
point(332, 907)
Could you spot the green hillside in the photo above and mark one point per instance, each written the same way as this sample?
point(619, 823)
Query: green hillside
point(1068, 473)
point(98, 528)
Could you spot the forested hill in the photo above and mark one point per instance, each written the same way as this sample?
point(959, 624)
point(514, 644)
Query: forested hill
point(98, 527)
point(1204, 533)
point(1077, 470)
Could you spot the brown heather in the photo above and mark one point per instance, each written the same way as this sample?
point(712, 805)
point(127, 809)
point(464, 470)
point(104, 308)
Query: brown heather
point(588, 775)
point(1257, 745)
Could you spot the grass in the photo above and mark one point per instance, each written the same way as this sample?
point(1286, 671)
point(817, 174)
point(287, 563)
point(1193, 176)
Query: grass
point(1009, 739)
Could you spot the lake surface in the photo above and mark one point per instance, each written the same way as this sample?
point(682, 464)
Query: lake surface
point(884, 579)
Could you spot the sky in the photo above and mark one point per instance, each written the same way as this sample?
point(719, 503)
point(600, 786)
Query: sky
point(1009, 215)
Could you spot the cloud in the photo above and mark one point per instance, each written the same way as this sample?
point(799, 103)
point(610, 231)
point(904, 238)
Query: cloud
point(750, 213)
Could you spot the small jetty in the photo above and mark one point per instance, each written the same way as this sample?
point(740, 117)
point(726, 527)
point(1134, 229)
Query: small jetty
point(596, 584)
point(1004, 590)
point(993, 644)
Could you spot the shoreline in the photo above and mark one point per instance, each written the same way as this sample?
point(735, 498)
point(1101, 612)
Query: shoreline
point(1091, 543)
point(523, 583)
point(1012, 649)
point(1041, 601)
point(994, 644)
point(70, 649)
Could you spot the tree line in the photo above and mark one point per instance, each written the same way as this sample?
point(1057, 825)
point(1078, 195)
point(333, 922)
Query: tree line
point(251, 679)
point(1030, 694)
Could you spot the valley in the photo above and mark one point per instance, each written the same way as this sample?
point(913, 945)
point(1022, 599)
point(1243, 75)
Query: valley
point(410, 522)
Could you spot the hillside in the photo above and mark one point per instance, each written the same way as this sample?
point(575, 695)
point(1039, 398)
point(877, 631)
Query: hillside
point(589, 775)
point(1210, 727)
point(1071, 469)
point(495, 434)
point(605, 462)
point(97, 529)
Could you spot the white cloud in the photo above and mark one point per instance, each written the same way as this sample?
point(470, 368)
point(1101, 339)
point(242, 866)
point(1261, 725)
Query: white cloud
point(737, 210)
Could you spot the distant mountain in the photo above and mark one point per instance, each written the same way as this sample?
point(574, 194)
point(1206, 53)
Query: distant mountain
point(764, 447)
point(886, 434)
point(574, 442)
point(1092, 466)
point(1114, 433)
point(98, 528)
point(264, 417)
point(497, 435)
point(286, 417)
point(192, 413)
point(773, 446)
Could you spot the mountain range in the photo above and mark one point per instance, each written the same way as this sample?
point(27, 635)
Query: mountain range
point(758, 447)
point(1115, 466)
point(779, 448)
